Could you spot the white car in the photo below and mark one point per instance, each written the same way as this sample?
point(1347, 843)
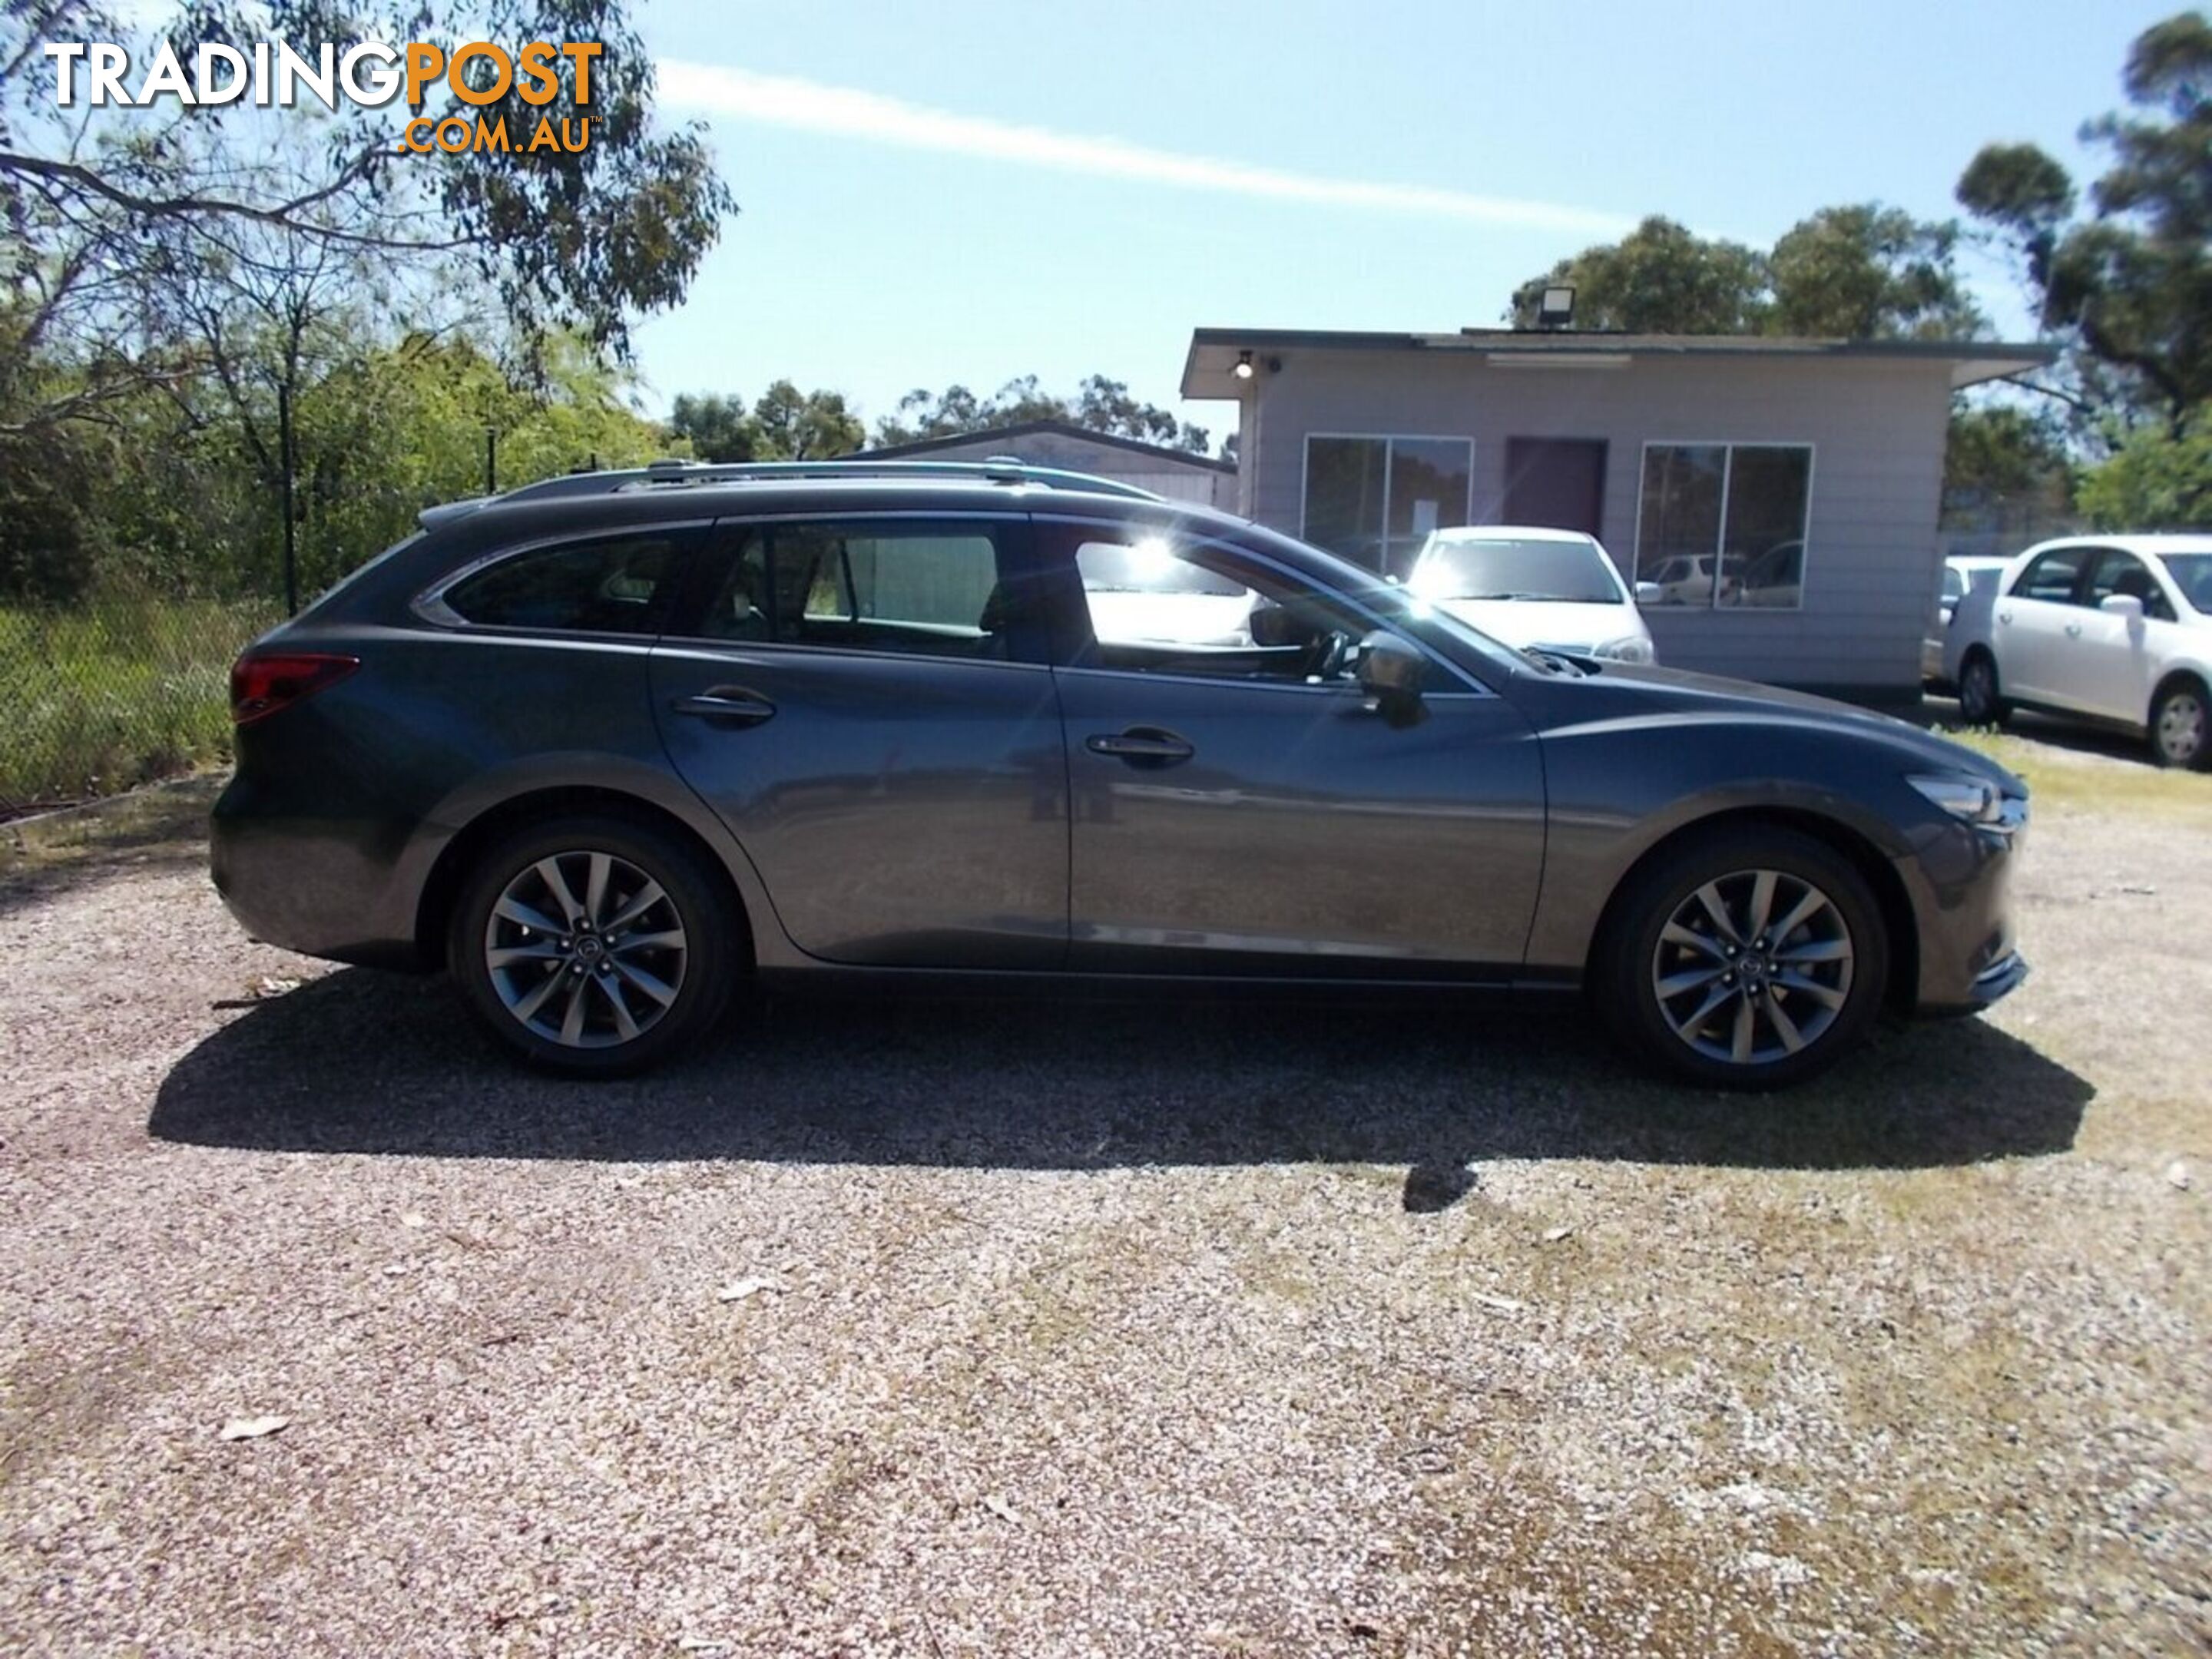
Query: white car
point(2117, 630)
point(1961, 575)
point(1556, 590)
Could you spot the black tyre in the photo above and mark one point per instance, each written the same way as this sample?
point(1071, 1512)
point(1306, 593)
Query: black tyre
point(597, 944)
point(2181, 725)
point(1980, 701)
point(1752, 958)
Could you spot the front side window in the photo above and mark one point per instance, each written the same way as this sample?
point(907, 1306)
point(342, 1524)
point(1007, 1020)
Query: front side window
point(1375, 500)
point(1724, 526)
point(2053, 576)
point(2123, 573)
point(613, 585)
point(926, 589)
point(1158, 605)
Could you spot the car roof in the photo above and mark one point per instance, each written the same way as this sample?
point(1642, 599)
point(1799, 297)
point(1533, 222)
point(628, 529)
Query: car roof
point(2144, 545)
point(1508, 533)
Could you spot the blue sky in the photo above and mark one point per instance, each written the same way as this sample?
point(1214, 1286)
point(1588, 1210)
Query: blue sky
point(1387, 165)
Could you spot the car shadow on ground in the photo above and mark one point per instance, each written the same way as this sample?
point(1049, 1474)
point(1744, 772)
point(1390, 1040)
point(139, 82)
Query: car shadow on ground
point(363, 1062)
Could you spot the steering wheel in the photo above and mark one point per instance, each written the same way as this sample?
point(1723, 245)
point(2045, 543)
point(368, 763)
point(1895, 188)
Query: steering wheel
point(1332, 654)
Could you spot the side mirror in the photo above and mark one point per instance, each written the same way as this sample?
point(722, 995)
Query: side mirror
point(1647, 593)
point(1391, 673)
point(2122, 604)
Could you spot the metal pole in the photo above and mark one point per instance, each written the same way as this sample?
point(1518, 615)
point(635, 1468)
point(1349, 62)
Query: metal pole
point(291, 530)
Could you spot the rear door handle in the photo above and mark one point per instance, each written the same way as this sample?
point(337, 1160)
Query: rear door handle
point(1141, 746)
point(732, 703)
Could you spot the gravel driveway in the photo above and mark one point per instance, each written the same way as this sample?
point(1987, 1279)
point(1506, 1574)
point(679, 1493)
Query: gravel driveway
point(943, 1329)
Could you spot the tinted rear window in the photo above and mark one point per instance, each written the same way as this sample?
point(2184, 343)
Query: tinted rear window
point(615, 584)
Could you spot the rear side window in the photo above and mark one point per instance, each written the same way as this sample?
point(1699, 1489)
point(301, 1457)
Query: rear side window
point(615, 584)
point(920, 589)
point(2052, 576)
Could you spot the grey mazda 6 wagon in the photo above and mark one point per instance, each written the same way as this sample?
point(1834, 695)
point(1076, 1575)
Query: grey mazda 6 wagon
point(614, 748)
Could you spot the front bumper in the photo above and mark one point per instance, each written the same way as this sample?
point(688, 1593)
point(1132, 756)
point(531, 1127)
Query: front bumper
point(1960, 881)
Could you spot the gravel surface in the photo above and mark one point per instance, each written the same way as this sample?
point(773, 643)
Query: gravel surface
point(941, 1328)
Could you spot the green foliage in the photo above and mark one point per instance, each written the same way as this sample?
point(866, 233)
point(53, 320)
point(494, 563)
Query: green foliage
point(572, 242)
point(1867, 272)
point(2132, 282)
point(105, 696)
point(2158, 479)
point(784, 424)
point(1100, 404)
point(1661, 279)
point(2004, 450)
point(1862, 271)
point(718, 427)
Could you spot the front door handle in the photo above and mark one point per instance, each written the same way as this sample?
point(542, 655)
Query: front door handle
point(1141, 746)
point(732, 703)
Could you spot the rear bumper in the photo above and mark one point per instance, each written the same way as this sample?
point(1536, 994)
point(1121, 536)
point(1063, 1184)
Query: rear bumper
point(338, 888)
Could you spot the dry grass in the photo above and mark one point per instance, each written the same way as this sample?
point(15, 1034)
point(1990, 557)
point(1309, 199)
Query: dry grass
point(2094, 773)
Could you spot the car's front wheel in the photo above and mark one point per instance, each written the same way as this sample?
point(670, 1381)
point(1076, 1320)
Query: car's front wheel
point(1980, 702)
point(596, 945)
point(2178, 725)
point(1750, 959)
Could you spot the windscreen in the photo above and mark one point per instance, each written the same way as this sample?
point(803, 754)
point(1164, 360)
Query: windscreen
point(1575, 572)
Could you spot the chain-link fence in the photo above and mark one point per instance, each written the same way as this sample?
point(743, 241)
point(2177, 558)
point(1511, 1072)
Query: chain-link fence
point(1994, 525)
point(115, 690)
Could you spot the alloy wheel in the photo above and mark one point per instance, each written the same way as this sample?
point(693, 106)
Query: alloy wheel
point(586, 950)
point(1752, 967)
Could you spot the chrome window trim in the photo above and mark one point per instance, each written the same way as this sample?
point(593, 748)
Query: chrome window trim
point(1337, 689)
point(707, 642)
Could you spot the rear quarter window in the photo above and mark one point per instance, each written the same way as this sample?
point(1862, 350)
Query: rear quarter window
point(612, 584)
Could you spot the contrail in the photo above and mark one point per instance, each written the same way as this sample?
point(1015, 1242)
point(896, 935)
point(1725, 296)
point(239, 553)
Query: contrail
point(846, 112)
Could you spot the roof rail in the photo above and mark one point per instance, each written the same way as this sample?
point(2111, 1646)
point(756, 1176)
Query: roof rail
point(670, 474)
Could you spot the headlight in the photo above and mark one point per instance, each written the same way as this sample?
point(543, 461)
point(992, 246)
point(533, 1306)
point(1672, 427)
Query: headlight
point(1630, 647)
point(1972, 800)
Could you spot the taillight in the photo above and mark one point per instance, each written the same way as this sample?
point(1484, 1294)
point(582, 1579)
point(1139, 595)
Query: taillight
point(263, 685)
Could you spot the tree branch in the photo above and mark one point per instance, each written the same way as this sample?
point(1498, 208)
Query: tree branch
point(283, 215)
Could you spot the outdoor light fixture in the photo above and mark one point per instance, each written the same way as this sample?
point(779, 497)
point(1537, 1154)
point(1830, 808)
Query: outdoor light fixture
point(1557, 308)
point(1244, 369)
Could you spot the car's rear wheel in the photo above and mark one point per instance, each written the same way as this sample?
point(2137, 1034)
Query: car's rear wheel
point(1980, 702)
point(2181, 725)
point(1750, 959)
point(595, 945)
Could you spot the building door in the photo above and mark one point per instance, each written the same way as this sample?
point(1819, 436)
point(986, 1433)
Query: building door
point(1556, 483)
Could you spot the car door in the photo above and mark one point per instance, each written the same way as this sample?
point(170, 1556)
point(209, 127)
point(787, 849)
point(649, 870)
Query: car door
point(1240, 806)
point(865, 702)
point(2117, 658)
point(2030, 627)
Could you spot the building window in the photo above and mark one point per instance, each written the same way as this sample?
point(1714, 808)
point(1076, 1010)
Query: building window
point(1723, 525)
point(1374, 501)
